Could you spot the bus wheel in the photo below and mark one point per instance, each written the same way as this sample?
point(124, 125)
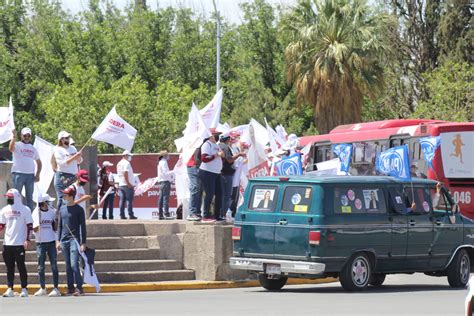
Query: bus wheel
point(459, 270)
point(377, 279)
point(272, 284)
point(356, 273)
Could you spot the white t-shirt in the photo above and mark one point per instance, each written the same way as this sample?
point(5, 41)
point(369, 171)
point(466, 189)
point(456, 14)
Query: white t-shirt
point(215, 165)
point(61, 155)
point(24, 157)
point(15, 217)
point(46, 232)
point(80, 192)
point(163, 171)
point(122, 166)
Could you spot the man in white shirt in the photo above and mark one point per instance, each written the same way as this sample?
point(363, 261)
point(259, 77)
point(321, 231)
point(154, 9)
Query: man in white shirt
point(16, 219)
point(66, 163)
point(165, 176)
point(210, 175)
point(23, 170)
point(126, 183)
point(44, 228)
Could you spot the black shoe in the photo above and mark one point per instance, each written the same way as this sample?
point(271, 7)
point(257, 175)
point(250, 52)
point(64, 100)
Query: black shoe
point(123, 217)
point(220, 219)
point(111, 217)
point(103, 217)
point(133, 217)
point(161, 217)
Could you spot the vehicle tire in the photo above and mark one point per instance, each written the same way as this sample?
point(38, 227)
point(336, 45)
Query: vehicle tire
point(356, 273)
point(459, 270)
point(272, 284)
point(377, 279)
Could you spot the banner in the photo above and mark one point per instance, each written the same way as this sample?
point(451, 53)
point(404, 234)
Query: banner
point(260, 170)
point(145, 186)
point(327, 168)
point(211, 113)
point(7, 124)
point(394, 162)
point(116, 131)
point(45, 150)
point(290, 166)
point(429, 146)
point(344, 152)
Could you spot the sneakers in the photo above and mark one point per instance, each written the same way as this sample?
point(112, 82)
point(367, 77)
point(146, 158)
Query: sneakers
point(54, 293)
point(220, 219)
point(24, 293)
point(193, 218)
point(69, 292)
point(9, 293)
point(208, 220)
point(133, 217)
point(41, 292)
point(79, 292)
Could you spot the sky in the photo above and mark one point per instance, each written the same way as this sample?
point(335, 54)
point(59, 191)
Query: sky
point(228, 8)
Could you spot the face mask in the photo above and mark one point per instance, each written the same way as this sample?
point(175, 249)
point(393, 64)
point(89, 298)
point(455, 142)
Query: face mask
point(129, 158)
point(82, 183)
point(66, 143)
point(10, 201)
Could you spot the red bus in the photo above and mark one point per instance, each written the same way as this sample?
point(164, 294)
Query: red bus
point(453, 163)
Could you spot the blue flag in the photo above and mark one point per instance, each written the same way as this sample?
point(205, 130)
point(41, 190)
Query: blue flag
point(290, 166)
point(429, 146)
point(394, 162)
point(344, 152)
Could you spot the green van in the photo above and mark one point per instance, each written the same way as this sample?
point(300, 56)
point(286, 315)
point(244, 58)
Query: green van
point(356, 228)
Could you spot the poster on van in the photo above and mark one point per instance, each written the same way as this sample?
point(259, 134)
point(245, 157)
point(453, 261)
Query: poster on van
point(457, 151)
point(371, 199)
point(263, 199)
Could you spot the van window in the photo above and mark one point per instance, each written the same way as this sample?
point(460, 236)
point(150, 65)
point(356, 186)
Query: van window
point(263, 198)
point(420, 197)
point(397, 200)
point(351, 200)
point(297, 199)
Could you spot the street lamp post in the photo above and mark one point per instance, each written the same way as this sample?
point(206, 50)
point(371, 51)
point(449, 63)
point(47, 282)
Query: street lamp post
point(218, 48)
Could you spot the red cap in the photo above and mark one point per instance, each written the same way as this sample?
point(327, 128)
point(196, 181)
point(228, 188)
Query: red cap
point(10, 194)
point(83, 175)
point(69, 191)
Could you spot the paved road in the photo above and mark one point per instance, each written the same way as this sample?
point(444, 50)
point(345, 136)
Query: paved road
point(402, 295)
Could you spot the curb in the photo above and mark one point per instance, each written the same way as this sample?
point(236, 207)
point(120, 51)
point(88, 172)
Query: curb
point(172, 286)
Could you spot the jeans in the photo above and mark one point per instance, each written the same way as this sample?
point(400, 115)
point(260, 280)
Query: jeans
point(126, 196)
point(212, 184)
point(226, 192)
point(108, 203)
point(164, 197)
point(26, 180)
point(195, 190)
point(41, 250)
point(12, 255)
point(71, 258)
point(61, 181)
point(235, 200)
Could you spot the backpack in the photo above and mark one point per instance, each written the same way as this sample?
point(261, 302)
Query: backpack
point(197, 155)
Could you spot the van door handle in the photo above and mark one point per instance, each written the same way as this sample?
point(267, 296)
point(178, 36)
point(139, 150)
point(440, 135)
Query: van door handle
point(283, 222)
point(412, 222)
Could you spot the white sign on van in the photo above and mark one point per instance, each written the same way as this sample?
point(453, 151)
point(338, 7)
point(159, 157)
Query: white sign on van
point(457, 152)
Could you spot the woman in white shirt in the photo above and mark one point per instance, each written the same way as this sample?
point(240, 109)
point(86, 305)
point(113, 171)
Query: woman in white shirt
point(165, 176)
point(67, 160)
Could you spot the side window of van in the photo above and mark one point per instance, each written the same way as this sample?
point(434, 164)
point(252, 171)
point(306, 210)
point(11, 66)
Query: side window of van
point(397, 201)
point(297, 199)
point(359, 200)
point(420, 197)
point(263, 198)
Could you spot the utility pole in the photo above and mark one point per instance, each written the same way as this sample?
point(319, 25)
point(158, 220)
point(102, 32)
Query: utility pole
point(218, 47)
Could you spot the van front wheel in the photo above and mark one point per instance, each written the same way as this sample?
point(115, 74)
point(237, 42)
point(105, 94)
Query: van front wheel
point(356, 273)
point(272, 284)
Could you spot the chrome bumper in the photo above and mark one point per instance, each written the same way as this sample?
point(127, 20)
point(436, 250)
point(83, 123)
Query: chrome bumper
point(287, 266)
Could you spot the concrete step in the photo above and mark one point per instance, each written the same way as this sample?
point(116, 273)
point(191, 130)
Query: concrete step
point(114, 277)
point(126, 242)
point(111, 254)
point(113, 266)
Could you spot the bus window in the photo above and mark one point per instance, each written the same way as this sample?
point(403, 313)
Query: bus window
point(358, 152)
point(370, 150)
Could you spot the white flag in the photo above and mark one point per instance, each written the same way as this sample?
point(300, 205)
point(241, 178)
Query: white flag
point(116, 131)
point(273, 138)
point(211, 113)
point(192, 125)
point(7, 124)
point(45, 150)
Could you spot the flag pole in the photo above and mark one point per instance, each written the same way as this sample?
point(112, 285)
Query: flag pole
point(86, 143)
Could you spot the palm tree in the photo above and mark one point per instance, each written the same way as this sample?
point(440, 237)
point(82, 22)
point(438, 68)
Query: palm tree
point(333, 58)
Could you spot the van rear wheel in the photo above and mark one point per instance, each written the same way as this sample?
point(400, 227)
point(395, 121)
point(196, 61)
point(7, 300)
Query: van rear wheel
point(459, 270)
point(356, 273)
point(377, 279)
point(272, 284)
